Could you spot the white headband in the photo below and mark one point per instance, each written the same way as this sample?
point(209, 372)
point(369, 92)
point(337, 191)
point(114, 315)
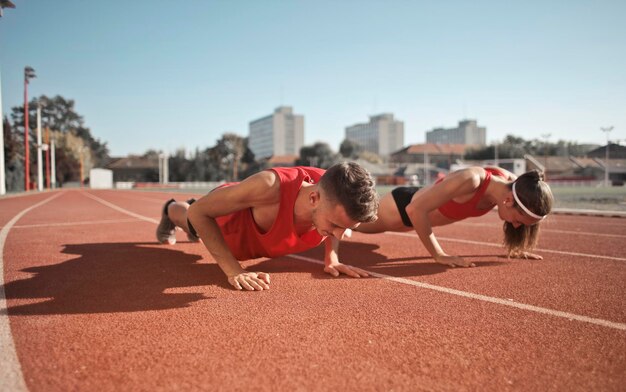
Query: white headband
point(524, 208)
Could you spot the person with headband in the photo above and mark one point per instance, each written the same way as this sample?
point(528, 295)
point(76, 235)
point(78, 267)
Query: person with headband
point(522, 204)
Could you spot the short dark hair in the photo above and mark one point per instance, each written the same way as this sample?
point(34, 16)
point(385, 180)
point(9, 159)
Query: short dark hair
point(350, 185)
point(535, 194)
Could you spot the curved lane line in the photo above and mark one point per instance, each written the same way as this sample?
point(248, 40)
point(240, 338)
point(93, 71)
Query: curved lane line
point(480, 297)
point(500, 246)
point(96, 222)
point(11, 377)
point(544, 230)
point(500, 301)
point(120, 209)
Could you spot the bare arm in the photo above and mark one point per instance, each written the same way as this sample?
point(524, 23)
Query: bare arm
point(258, 190)
point(458, 184)
point(331, 261)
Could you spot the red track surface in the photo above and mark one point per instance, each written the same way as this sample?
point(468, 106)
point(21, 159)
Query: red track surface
point(94, 303)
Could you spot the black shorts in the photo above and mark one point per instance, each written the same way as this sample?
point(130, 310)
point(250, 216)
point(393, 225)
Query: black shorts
point(402, 196)
point(192, 230)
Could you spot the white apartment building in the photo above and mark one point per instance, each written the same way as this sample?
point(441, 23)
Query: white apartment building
point(281, 133)
point(468, 132)
point(382, 135)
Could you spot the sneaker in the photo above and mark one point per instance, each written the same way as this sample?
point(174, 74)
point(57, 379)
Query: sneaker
point(191, 237)
point(166, 230)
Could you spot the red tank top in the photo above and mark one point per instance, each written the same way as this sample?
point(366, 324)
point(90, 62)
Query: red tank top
point(246, 241)
point(458, 211)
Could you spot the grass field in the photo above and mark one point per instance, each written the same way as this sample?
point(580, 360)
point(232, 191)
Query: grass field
point(611, 198)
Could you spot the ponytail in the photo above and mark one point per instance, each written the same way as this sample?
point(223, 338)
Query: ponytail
point(533, 196)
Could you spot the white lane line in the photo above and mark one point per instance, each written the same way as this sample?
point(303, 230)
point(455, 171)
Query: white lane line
point(545, 230)
point(75, 223)
point(480, 297)
point(134, 197)
point(558, 313)
point(120, 209)
point(11, 377)
point(500, 246)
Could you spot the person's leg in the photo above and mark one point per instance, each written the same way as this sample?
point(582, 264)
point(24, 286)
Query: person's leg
point(174, 215)
point(166, 230)
point(177, 213)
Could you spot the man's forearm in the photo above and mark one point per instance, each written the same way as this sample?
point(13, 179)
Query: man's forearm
point(213, 240)
point(331, 250)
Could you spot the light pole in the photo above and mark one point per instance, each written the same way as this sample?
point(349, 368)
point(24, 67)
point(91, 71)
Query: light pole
point(53, 175)
point(496, 161)
point(5, 4)
point(82, 165)
point(3, 189)
point(39, 150)
point(606, 154)
point(47, 150)
point(546, 137)
point(29, 73)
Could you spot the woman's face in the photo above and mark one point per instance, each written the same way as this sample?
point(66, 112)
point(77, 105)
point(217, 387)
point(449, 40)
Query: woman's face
point(516, 217)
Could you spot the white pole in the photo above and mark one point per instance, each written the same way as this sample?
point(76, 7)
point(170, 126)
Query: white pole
point(426, 166)
point(39, 165)
point(3, 188)
point(53, 172)
point(166, 168)
point(161, 168)
point(497, 162)
point(607, 130)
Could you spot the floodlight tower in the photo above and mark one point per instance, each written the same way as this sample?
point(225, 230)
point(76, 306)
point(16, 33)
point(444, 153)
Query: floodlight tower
point(3, 190)
point(29, 73)
point(606, 154)
point(546, 137)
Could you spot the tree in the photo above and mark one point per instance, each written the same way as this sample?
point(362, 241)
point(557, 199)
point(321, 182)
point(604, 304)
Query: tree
point(350, 149)
point(318, 155)
point(227, 156)
point(179, 167)
point(516, 147)
point(60, 116)
point(13, 159)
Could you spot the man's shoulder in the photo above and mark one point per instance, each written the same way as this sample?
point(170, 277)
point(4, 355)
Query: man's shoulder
point(298, 173)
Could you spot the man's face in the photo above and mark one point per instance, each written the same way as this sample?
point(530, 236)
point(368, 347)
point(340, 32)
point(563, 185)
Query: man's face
point(331, 219)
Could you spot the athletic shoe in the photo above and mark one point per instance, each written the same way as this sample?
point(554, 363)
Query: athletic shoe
point(191, 237)
point(166, 230)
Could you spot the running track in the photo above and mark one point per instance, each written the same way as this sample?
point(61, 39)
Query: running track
point(89, 301)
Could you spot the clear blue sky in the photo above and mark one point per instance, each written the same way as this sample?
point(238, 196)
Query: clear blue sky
point(169, 74)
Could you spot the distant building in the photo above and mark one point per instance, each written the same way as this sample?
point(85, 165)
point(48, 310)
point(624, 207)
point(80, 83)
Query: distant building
point(468, 132)
point(616, 151)
point(439, 155)
point(134, 169)
point(382, 135)
point(281, 133)
point(282, 160)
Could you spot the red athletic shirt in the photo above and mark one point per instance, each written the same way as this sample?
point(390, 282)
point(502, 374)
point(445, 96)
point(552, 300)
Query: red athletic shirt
point(243, 236)
point(458, 211)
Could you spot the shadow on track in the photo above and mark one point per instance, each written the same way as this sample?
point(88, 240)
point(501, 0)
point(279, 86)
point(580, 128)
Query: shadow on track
point(113, 277)
point(365, 255)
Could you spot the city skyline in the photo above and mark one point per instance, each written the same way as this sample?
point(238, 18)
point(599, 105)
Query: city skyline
point(148, 75)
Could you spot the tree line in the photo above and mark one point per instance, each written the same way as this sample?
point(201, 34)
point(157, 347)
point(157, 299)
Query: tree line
point(72, 138)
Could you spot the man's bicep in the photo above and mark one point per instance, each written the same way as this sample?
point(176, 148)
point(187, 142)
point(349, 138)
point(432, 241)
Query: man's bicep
point(254, 191)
